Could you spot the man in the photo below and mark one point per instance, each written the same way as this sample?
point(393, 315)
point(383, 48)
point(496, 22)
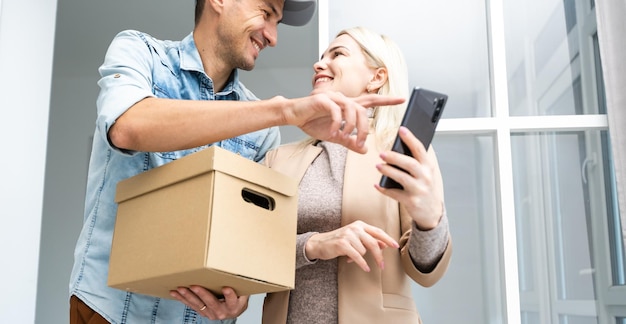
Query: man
point(162, 100)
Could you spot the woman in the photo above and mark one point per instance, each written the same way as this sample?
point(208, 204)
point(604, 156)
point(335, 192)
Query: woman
point(358, 244)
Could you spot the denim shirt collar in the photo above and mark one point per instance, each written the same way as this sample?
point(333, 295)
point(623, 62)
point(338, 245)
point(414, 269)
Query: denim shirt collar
point(190, 60)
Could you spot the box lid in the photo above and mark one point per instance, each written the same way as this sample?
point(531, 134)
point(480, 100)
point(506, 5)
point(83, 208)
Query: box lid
point(213, 158)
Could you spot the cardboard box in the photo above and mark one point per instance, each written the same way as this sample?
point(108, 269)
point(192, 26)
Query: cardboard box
point(213, 219)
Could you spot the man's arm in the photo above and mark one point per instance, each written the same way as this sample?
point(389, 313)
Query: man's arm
point(155, 124)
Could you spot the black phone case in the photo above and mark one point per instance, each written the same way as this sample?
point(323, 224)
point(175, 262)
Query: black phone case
point(421, 118)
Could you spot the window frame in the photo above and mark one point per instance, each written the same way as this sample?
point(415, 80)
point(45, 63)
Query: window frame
point(501, 126)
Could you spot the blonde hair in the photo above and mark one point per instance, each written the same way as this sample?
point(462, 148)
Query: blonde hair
point(382, 52)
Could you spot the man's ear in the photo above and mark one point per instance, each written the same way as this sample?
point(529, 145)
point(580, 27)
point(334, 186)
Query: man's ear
point(378, 80)
point(216, 5)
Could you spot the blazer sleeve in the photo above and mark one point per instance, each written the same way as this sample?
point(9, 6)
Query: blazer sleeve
point(425, 279)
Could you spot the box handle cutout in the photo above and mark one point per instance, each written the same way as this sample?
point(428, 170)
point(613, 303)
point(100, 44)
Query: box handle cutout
point(259, 199)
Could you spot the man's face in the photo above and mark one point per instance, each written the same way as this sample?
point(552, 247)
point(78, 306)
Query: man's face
point(343, 67)
point(248, 26)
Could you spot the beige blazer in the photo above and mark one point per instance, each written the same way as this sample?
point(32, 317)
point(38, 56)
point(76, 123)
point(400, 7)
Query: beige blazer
point(377, 296)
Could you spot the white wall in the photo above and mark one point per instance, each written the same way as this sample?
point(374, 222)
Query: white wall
point(26, 45)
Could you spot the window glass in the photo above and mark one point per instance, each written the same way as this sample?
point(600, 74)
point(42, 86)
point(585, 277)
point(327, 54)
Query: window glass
point(565, 192)
point(530, 318)
point(444, 42)
point(617, 235)
point(471, 290)
point(560, 185)
point(547, 57)
point(577, 320)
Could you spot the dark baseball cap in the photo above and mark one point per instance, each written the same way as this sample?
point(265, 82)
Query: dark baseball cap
point(298, 12)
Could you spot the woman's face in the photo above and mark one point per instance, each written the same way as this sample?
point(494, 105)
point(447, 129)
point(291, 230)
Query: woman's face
point(342, 68)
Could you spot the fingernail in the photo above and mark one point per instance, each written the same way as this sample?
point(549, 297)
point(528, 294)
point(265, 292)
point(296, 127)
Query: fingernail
point(382, 265)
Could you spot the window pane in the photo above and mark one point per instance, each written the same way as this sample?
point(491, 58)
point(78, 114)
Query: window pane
point(470, 292)
point(547, 57)
point(617, 232)
point(560, 183)
point(444, 42)
point(577, 320)
point(530, 318)
point(617, 235)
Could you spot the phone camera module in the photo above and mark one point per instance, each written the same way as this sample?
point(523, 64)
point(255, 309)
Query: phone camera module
point(438, 103)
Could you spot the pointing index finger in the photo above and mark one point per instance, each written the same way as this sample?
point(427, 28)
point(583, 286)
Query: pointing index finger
point(375, 100)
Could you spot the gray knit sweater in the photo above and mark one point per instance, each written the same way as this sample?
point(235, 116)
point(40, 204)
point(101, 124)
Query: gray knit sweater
point(314, 299)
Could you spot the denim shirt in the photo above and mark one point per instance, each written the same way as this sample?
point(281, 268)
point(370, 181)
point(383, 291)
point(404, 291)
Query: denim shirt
point(137, 66)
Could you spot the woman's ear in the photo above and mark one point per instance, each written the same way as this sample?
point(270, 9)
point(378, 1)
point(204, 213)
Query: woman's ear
point(378, 80)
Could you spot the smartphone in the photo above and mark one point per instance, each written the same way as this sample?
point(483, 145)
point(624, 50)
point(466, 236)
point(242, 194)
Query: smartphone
point(421, 117)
